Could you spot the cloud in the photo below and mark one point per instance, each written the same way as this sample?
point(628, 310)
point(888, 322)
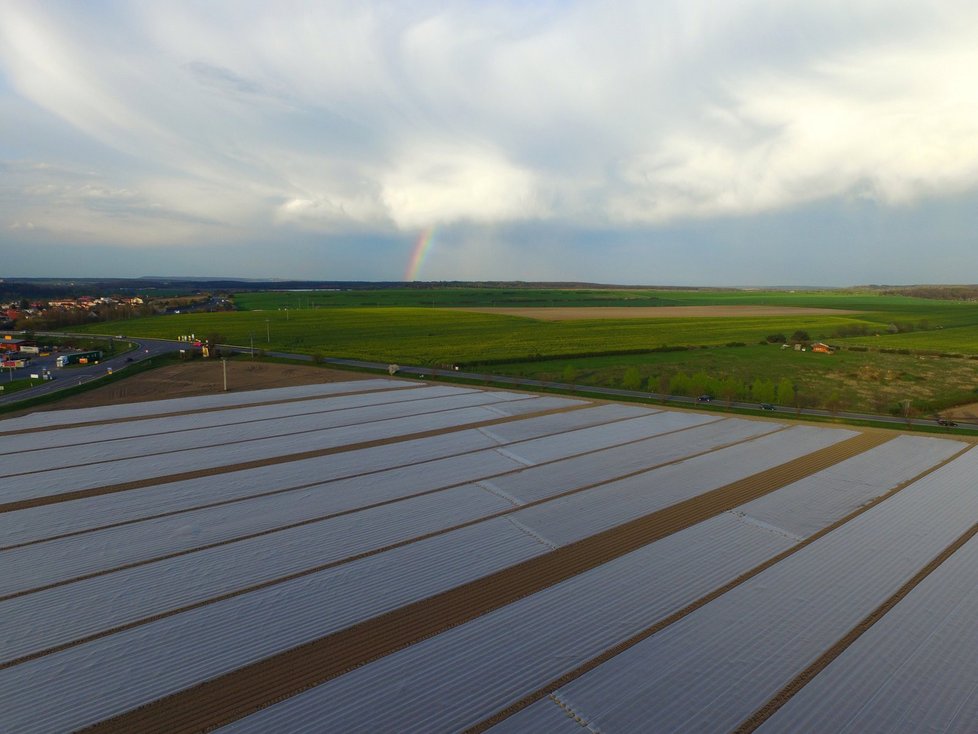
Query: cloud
point(183, 122)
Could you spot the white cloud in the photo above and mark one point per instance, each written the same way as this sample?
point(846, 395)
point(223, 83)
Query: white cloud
point(209, 120)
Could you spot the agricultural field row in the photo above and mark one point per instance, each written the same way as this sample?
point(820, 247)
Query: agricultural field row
point(443, 579)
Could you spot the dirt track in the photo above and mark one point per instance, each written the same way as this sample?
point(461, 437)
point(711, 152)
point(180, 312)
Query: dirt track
point(657, 312)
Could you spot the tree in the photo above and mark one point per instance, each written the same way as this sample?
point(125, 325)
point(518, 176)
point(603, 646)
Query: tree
point(663, 384)
point(834, 403)
point(679, 384)
point(785, 392)
point(762, 390)
point(632, 380)
point(776, 339)
point(800, 336)
point(699, 383)
point(908, 412)
point(731, 388)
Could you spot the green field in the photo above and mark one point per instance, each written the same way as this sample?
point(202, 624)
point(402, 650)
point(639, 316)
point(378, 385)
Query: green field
point(416, 326)
point(863, 381)
point(880, 307)
point(442, 336)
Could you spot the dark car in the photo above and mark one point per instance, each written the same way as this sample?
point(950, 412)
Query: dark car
point(767, 406)
point(946, 422)
point(129, 359)
point(704, 399)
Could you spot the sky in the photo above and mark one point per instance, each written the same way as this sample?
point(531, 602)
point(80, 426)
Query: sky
point(676, 142)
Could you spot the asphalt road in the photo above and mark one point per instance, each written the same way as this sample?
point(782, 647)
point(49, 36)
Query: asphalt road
point(149, 348)
point(65, 377)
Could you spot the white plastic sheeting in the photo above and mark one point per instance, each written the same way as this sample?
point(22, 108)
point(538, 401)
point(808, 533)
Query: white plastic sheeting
point(114, 547)
point(915, 670)
point(547, 480)
point(545, 715)
point(208, 426)
point(300, 426)
point(612, 434)
point(345, 594)
point(36, 523)
point(486, 656)
point(563, 422)
point(59, 560)
point(713, 668)
point(60, 481)
point(462, 676)
point(816, 501)
point(257, 559)
point(202, 402)
point(566, 519)
point(89, 682)
point(530, 405)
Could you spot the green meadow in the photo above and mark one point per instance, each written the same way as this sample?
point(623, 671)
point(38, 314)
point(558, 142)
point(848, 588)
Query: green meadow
point(890, 347)
point(443, 336)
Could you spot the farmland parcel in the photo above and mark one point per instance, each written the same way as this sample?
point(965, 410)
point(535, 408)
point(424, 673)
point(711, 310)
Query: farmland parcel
point(388, 554)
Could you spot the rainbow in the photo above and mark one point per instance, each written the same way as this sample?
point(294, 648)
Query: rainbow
point(421, 250)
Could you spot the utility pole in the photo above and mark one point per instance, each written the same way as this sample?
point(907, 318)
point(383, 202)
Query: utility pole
point(268, 332)
point(224, 364)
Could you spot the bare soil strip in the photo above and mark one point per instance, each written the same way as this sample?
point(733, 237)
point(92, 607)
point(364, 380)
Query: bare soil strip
point(248, 689)
point(578, 313)
point(553, 685)
point(140, 484)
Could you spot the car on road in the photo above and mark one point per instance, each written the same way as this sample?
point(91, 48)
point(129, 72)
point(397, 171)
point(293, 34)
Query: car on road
point(767, 406)
point(946, 422)
point(704, 399)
